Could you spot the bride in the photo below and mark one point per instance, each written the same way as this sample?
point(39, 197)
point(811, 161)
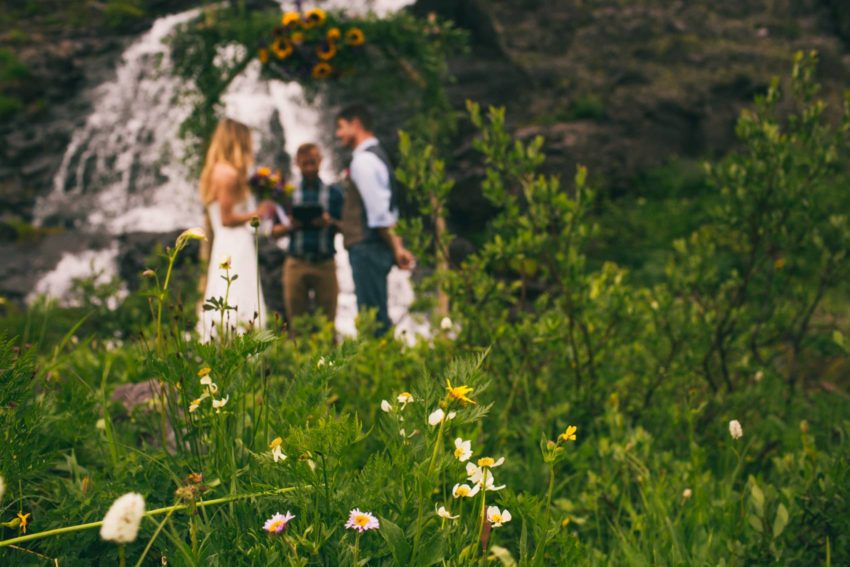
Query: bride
point(230, 206)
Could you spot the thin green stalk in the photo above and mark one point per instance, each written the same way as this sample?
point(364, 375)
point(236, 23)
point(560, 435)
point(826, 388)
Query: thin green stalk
point(153, 539)
point(483, 517)
point(148, 514)
point(122, 556)
point(419, 513)
point(356, 548)
point(161, 297)
point(549, 494)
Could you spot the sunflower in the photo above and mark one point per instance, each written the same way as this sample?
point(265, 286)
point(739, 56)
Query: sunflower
point(282, 52)
point(263, 55)
point(314, 17)
point(290, 19)
point(297, 38)
point(322, 71)
point(326, 51)
point(334, 34)
point(355, 36)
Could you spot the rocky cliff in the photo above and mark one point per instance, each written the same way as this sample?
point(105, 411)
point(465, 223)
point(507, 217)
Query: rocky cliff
point(625, 85)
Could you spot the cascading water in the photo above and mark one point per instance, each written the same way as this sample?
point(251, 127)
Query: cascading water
point(123, 170)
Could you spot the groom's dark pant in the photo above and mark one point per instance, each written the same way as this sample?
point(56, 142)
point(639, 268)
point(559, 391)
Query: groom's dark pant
point(370, 265)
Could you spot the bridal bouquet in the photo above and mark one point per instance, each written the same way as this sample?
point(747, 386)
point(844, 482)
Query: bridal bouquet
point(311, 45)
point(269, 186)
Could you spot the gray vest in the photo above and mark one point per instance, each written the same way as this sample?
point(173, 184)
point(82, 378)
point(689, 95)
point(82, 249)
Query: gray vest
point(354, 223)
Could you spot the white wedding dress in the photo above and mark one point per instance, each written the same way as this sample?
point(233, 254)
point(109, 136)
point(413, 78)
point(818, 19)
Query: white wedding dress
point(238, 243)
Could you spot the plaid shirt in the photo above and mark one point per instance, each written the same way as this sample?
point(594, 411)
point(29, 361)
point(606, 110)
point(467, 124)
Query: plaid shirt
point(311, 243)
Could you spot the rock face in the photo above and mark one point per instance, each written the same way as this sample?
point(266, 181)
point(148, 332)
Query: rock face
point(624, 86)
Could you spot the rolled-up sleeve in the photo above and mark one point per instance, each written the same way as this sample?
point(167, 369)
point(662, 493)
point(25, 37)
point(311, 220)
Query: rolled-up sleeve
point(372, 179)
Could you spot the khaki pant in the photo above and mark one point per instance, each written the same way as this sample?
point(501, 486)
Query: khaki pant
point(301, 276)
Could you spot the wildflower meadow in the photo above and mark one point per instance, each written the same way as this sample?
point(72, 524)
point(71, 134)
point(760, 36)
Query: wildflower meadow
point(563, 411)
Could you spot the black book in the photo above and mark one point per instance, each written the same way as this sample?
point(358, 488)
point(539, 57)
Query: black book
point(306, 214)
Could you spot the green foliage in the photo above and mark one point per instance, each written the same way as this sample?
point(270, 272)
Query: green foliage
point(403, 59)
point(542, 339)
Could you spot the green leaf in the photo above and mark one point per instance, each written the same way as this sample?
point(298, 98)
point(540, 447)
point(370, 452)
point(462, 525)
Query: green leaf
point(780, 521)
point(394, 536)
point(755, 522)
point(758, 499)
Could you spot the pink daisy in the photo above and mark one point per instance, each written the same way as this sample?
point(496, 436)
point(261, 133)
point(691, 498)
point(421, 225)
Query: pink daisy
point(277, 523)
point(362, 521)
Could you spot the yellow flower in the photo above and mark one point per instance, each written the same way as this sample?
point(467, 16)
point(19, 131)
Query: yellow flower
point(264, 171)
point(327, 52)
point(314, 17)
point(355, 36)
point(289, 188)
point(282, 52)
point(275, 442)
point(194, 405)
point(297, 38)
point(204, 371)
point(24, 518)
point(490, 462)
point(263, 55)
point(569, 434)
point(290, 19)
point(322, 71)
point(459, 392)
point(333, 34)
point(779, 263)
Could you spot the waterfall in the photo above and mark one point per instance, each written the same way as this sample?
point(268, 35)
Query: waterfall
point(123, 170)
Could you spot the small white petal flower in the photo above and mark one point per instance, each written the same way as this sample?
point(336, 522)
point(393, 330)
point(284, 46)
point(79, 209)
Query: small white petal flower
point(121, 523)
point(497, 518)
point(758, 376)
point(464, 490)
point(385, 406)
point(100, 424)
point(446, 324)
point(278, 523)
point(277, 454)
point(445, 514)
point(436, 417)
point(206, 381)
point(220, 403)
point(213, 388)
point(321, 362)
point(194, 405)
point(226, 263)
point(404, 398)
point(463, 450)
point(687, 493)
point(451, 415)
point(482, 476)
point(735, 429)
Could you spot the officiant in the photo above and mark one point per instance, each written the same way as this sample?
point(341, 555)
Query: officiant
point(313, 210)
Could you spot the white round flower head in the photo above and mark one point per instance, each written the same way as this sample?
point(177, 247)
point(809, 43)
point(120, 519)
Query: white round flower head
point(464, 491)
point(445, 514)
point(446, 324)
point(121, 523)
point(386, 407)
point(687, 493)
point(436, 417)
point(735, 429)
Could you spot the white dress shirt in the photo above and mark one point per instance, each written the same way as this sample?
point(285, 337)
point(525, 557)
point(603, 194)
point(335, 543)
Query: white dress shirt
point(372, 179)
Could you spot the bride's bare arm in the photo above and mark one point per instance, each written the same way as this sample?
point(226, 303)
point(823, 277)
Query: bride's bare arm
point(225, 181)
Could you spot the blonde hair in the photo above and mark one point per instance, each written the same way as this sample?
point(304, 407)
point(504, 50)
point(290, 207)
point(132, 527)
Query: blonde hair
point(231, 144)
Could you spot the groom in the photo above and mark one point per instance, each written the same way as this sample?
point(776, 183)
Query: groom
point(369, 214)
